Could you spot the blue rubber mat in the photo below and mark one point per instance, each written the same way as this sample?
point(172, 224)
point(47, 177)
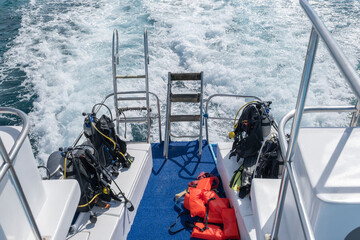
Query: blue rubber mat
point(158, 209)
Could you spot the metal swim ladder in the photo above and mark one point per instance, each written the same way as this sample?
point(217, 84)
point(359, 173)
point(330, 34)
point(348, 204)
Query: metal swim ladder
point(183, 98)
point(117, 99)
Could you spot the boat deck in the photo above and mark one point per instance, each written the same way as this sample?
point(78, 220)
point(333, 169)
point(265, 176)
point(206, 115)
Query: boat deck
point(158, 209)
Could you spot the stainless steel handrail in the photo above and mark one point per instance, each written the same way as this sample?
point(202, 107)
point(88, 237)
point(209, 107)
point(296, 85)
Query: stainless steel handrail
point(305, 80)
point(128, 92)
point(3, 169)
point(337, 54)
point(146, 56)
point(355, 116)
point(220, 118)
point(20, 139)
point(320, 109)
point(318, 29)
point(114, 62)
point(23, 133)
point(8, 166)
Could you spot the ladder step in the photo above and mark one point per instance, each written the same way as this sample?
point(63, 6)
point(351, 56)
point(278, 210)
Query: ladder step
point(189, 97)
point(130, 76)
point(133, 120)
point(132, 99)
point(132, 109)
point(185, 118)
point(185, 76)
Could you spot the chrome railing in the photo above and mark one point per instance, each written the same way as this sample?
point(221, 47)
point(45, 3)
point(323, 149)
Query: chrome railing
point(337, 54)
point(7, 166)
point(129, 92)
point(318, 29)
point(206, 115)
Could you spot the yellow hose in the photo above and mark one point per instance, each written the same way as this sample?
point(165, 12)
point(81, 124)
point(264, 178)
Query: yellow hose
point(65, 168)
point(236, 124)
point(104, 135)
point(124, 157)
point(110, 140)
point(84, 205)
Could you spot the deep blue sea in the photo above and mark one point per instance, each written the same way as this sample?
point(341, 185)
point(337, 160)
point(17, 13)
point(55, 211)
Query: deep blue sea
point(55, 56)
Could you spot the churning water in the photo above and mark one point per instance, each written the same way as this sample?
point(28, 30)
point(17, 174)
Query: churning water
point(55, 56)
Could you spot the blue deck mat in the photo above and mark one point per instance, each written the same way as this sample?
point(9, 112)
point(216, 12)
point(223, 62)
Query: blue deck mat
point(158, 209)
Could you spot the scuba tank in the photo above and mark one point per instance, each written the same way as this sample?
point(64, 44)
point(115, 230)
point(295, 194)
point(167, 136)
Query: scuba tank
point(266, 119)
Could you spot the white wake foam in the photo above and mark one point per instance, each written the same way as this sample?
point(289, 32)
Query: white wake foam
point(243, 47)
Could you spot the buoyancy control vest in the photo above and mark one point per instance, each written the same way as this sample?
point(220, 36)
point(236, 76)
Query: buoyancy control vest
point(94, 164)
point(111, 149)
point(81, 164)
point(249, 129)
point(253, 122)
point(270, 162)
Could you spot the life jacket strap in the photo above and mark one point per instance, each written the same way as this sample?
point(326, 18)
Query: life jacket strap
point(206, 216)
point(187, 224)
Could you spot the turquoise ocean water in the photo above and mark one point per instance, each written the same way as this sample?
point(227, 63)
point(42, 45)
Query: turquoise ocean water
point(55, 56)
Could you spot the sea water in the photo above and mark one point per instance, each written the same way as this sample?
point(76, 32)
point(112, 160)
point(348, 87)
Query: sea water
point(55, 57)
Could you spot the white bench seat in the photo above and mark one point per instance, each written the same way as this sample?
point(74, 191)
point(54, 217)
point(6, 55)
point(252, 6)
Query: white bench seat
point(326, 164)
point(59, 208)
point(53, 202)
point(264, 196)
point(115, 223)
point(243, 211)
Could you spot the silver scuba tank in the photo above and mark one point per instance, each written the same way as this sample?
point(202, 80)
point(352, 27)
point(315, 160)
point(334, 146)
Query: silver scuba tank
point(267, 120)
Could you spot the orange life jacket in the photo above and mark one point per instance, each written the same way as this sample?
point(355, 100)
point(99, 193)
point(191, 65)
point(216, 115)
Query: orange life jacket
point(196, 203)
point(203, 202)
point(230, 225)
point(213, 232)
point(209, 194)
point(215, 183)
point(186, 201)
point(215, 208)
point(205, 183)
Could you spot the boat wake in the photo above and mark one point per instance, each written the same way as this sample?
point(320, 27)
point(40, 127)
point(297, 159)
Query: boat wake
point(252, 47)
